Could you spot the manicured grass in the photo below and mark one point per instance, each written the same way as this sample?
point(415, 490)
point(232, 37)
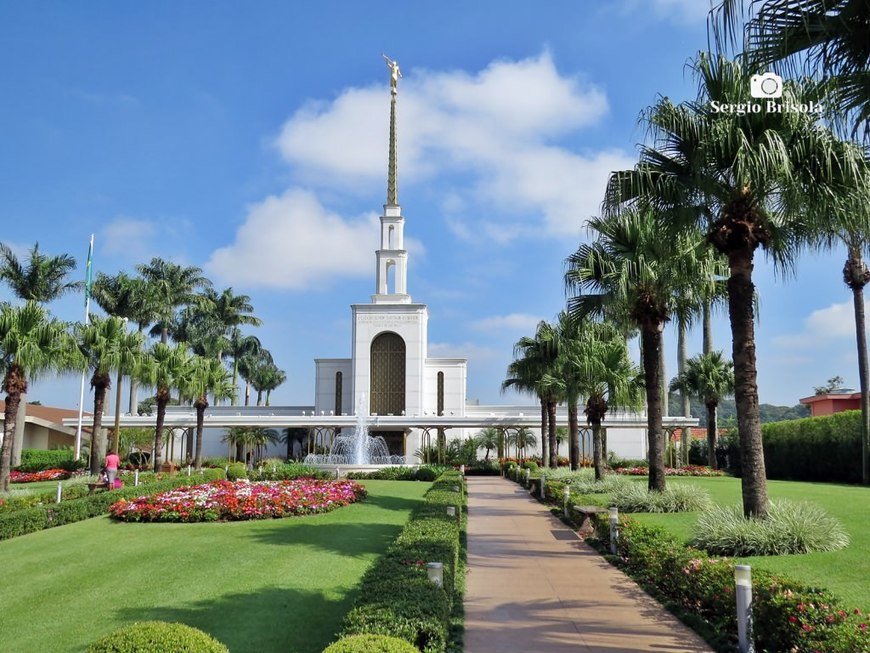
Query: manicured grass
point(269, 586)
point(844, 572)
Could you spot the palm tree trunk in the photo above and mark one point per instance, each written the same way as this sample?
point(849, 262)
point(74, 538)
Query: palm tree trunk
point(18, 436)
point(545, 421)
point(573, 436)
point(551, 433)
point(247, 393)
point(98, 444)
point(652, 339)
point(9, 416)
point(741, 298)
point(162, 400)
point(682, 356)
point(707, 321)
point(597, 458)
point(663, 380)
point(856, 276)
point(200, 420)
point(712, 427)
point(116, 430)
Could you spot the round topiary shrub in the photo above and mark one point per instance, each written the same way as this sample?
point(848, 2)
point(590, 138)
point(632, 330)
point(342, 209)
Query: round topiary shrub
point(425, 474)
point(157, 637)
point(531, 465)
point(235, 471)
point(370, 644)
point(214, 474)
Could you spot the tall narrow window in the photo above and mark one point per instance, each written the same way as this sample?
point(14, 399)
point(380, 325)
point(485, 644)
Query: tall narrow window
point(338, 379)
point(440, 393)
point(390, 233)
point(387, 394)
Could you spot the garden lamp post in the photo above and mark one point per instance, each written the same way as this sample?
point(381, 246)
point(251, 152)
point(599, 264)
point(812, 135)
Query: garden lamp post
point(743, 593)
point(435, 573)
point(566, 495)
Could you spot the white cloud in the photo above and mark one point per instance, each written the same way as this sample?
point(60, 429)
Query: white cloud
point(488, 137)
point(514, 322)
point(293, 242)
point(834, 322)
point(130, 237)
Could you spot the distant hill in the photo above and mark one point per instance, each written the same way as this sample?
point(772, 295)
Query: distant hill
point(727, 412)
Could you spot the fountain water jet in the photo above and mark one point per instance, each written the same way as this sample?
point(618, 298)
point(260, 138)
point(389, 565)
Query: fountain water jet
point(358, 448)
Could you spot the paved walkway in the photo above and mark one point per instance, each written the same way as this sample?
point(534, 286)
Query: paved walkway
point(534, 587)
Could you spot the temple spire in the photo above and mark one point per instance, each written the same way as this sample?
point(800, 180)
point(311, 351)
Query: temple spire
point(392, 172)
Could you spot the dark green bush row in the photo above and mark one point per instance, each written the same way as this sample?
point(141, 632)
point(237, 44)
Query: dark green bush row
point(426, 473)
point(288, 471)
point(396, 597)
point(37, 518)
point(36, 460)
point(787, 615)
point(815, 448)
point(370, 644)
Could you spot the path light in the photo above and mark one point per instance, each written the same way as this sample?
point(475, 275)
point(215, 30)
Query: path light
point(188, 470)
point(566, 494)
point(451, 511)
point(337, 473)
point(743, 581)
point(135, 478)
point(462, 469)
point(59, 491)
point(528, 476)
point(543, 482)
point(614, 528)
point(435, 572)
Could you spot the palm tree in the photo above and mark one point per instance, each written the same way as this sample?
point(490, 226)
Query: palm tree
point(205, 376)
point(239, 346)
point(249, 367)
point(763, 179)
point(597, 364)
point(172, 286)
point(250, 439)
point(710, 377)
point(164, 368)
point(534, 357)
point(523, 438)
point(488, 439)
point(42, 278)
point(831, 36)
point(561, 437)
point(635, 264)
point(124, 297)
point(31, 344)
point(107, 347)
point(265, 378)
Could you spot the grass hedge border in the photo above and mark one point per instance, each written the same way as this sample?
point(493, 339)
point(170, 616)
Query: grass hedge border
point(396, 596)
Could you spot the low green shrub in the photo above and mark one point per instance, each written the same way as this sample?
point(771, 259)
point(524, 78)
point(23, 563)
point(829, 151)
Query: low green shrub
point(216, 462)
point(426, 474)
point(395, 473)
point(676, 497)
point(396, 597)
point(289, 471)
point(214, 473)
point(139, 458)
point(531, 465)
point(36, 460)
point(235, 471)
point(787, 615)
point(370, 644)
point(157, 637)
point(788, 528)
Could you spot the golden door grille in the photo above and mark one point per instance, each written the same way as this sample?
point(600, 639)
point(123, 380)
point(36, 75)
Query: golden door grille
point(388, 375)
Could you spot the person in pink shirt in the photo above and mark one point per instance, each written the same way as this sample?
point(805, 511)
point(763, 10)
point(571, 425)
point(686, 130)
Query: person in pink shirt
point(112, 462)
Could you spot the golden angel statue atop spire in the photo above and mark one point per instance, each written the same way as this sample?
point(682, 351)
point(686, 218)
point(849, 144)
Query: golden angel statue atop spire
point(395, 73)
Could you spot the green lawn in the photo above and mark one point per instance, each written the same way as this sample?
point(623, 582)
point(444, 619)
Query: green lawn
point(279, 586)
point(844, 572)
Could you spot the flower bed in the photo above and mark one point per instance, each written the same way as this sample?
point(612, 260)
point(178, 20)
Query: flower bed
point(240, 500)
point(44, 475)
point(688, 470)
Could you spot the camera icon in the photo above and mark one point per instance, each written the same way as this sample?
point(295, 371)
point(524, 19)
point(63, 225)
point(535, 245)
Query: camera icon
point(768, 85)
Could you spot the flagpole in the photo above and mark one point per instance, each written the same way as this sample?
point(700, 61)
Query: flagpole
point(88, 280)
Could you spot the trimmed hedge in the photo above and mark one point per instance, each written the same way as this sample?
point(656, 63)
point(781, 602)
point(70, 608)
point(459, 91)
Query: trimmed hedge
point(49, 515)
point(370, 644)
point(787, 615)
point(824, 448)
point(157, 637)
point(36, 460)
point(396, 597)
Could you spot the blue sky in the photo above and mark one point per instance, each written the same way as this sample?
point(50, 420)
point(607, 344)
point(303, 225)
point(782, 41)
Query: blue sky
point(250, 139)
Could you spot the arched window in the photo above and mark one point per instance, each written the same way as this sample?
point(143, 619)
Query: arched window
point(387, 394)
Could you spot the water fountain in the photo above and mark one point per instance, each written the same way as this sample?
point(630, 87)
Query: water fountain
point(357, 449)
